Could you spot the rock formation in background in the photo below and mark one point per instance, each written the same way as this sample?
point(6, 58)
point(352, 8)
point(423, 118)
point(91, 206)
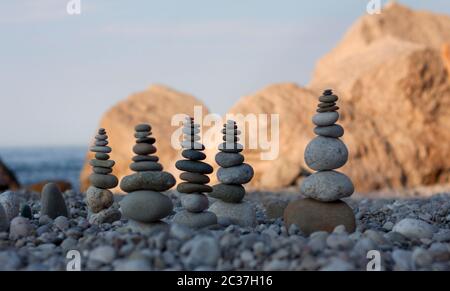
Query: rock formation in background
point(156, 106)
point(7, 178)
point(446, 57)
point(390, 71)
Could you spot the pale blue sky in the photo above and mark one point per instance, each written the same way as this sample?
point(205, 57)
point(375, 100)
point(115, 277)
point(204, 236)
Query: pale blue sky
point(60, 73)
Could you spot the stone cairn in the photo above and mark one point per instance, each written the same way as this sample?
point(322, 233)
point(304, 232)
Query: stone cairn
point(323, 209)
point(144, 205)
point(193, 199)
point(233, 172)
point(99, 198)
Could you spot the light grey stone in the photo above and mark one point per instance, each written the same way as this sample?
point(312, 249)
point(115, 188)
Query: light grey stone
point(241, 174)
point(61, 222)
point(330, 131)
point(10, 203)
point(326, 153)
point(195, 220)
point(98, 199)
point(243, 213)
point(194, 202)
point(20, 227)
point(204, 251)
point(414, 229)
point(325, 118)
point(103, 254)
point(327, 186)
point(146, 206)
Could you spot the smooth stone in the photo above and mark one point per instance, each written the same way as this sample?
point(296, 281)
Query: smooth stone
point(61, 223)
point(325, 118)
point(241, 174)
point(195, 202)
point(145, 159)
point(103, 181)
point(149, 140)
point(4, 221)
point(103, 254)
point(11, 204)
point(194, 167)
point(140, 135)
point(144, 149)
point(52, 202)
point(100, 149)
point(193, 155)
point(148, 228)
point(195, 178)
point(203, 253)
point(231, 147)
point(186, 187)
point(328, 109)
point(242, 214)
point(312, 216)
point(156, 181)
point(325, 153)
point(20, 227)
point(275, 208)
point(101, 143)
point(414, 228)
point(26, 211)
point(102, 163)
point(192, 145)
point(142, 128)
point(328, 98)
point(146, 206)
point(102, 156)
point(146, 166)
point(98, 199)
point(191, 137)
point(195, 220)
point(101, 137)
point(227, 160)
point(190, 130)
point(230, 138)
point(326, 104)
point(108, 215)
point(102, 171)
point(231, 131)
point(327, 186)
point(330, 131)
point(228, 193)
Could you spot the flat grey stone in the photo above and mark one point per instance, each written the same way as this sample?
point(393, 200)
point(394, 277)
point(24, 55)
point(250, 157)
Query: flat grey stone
point(156, 181)
point(100, 149)
point(243, 214)
point(142, 128)
point(195, 178)
point(146, 206)
point(146, 166)
point(227, 160)
point(194, 202)
point(228, 193)
point(194, 166)
point(102, 156)
point(193, 145)
point(241, 174)
point(102, 163)
point(108, 215)
point(327, 186)
point(195, 220)
point(414, 228)
point(326, 153)
point(193, 155)
point(144, 149)
point(144, 158)
point(325, 118)
point(102, 171)
point(329, 131)
point(186, 187)
point(231, 147)
point(103, 181)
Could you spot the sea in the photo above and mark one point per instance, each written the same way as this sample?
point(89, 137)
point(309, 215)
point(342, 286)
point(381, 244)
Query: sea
point(37, 164)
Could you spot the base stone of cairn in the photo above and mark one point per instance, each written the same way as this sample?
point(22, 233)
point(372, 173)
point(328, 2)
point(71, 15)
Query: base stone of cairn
point(193, 199)
point(323, 208)
point(145, 206)
point(233, 172)
point(99, 198)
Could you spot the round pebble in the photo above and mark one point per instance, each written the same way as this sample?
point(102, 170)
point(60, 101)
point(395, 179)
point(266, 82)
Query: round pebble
point(227, 160)
point(325, 118)
point(327, 186)
point(330, 131)
point(103, 181)
point(194, 202)
point(325, 153)
point(241, 174)
point(144, 149)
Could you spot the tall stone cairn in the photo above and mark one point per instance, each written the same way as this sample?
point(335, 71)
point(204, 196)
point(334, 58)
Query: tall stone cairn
point(233, 172)
point(99, 198)
point(144, 205)
point(193, 199)
point(323, 208)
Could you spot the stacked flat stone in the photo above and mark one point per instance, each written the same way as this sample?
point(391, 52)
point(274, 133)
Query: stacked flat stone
point(325, 188)
point(144, 205)
point(193, 199)
point(98, 196)
point(233, 172)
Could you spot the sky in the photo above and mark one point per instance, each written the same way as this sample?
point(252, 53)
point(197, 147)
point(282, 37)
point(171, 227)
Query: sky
point(59, 73)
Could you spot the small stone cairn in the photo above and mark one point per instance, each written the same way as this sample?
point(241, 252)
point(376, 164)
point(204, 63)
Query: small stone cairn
point(193, 199)
point(144, 205)
point(323, 208)
point(99, 198)
point(233, 172)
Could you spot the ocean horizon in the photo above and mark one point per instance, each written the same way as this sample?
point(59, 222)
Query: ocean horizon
point(33, 164)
